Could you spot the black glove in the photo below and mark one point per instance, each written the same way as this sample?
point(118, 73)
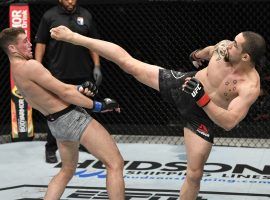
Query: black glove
point(90, 86)
point(197, 62)
point(97, 75)
point(195, 88)
point(106, 104)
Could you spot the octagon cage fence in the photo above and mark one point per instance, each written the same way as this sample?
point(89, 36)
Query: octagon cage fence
point(164, 33)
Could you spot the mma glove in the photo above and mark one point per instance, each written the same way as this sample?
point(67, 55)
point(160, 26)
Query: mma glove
point(197, 62)
point(90, 86)
point(97, 75)
point(106, 104)
point(195, 88)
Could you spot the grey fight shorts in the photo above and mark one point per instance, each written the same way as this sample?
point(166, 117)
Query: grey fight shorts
point(69, 124)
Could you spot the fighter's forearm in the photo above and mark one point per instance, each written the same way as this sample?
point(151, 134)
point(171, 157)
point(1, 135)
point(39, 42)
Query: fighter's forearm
point(222, 117)
point(73, 96)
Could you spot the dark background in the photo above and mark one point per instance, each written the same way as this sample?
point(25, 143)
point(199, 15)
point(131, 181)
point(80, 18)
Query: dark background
point(161, 33)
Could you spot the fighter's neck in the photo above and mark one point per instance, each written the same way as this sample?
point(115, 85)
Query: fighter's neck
point(18, 57)
point(17, 60)
point(242, 68)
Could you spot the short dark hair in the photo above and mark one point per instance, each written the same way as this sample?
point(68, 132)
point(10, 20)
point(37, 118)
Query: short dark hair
point(9, 36)
point(255, 46)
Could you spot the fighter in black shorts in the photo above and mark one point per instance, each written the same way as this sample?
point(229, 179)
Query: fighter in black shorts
point(170, 87)
point(221, 93)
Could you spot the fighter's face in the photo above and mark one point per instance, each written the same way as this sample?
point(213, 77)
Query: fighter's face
point(69, 5)
point(23, 46)
point(234, 50)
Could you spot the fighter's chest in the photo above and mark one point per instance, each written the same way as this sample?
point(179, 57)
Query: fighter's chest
point(228, 88)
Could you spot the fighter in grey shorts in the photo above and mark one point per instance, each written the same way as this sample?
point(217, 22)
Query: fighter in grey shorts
point(61, 103)
point(69, 124)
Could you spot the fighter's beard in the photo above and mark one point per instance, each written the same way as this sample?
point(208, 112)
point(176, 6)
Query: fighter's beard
point(227, 57)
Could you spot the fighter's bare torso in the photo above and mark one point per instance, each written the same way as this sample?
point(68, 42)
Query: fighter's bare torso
point(222, 81)
point(38, 97)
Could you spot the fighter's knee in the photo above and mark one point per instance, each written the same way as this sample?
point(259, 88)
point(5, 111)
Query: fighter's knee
point(115, 164)
point(68, 173)
point(194, 175)
point(128, 66)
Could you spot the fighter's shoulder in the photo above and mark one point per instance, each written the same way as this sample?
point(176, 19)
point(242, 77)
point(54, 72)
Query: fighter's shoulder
point(35, 69)
point(223, 43)
point(220, 49)
point(31, 64)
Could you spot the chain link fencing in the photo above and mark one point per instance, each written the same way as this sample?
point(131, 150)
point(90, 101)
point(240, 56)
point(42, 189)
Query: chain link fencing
point(161, 33)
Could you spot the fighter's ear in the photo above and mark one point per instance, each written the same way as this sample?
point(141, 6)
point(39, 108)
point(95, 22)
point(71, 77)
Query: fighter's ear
point(246, 57)
point(11, 48)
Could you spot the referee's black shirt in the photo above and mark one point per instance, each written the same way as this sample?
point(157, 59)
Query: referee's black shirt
point(65, 60)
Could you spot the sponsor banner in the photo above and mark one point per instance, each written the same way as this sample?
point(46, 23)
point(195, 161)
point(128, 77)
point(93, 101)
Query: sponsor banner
point(154, 172)
point(76, 192)
point(21, 112)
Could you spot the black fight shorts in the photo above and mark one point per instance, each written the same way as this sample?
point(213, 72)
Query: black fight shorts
point(170, 86)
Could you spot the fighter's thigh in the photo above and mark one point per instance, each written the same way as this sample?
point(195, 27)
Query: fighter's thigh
point(197, 150)
point(145, 73)
point(69, 153)
point(99, 142)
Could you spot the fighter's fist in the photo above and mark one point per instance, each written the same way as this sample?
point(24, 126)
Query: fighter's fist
point(106, 105)
point(62, 33)
point(197, 62)
point(194, 87)
point(88, 88)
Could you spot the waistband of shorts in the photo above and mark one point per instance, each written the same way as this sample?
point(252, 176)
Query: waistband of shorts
point(54, 116)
